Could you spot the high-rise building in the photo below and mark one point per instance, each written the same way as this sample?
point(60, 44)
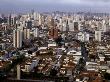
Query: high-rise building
point(9, 20)
point(26, 33)
point(87, 37)
point(53, 33)
point(29, 24)
point(37, 18)
point(105, 25)
point(76, 26)
point(50, 21)
point(13, 20)
point(83, 36)
point(36, 32)
point(63, 27)
point(17, 38)
point(98, 36)
point(71, 24)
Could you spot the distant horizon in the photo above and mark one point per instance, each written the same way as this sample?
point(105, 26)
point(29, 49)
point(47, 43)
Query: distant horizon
point(44, 11)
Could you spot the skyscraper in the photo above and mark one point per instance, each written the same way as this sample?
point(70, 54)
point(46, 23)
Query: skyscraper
point(13, 20)
point(9, 20)
point(36, 32)
point(17, 38)
point(53, 33)
point(76, 26)
point(70, 24)
point(29, 24)
point(98, 36)
point(26, 33)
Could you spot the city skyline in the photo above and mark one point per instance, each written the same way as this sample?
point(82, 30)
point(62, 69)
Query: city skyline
point(54, 40)
point(10, 6)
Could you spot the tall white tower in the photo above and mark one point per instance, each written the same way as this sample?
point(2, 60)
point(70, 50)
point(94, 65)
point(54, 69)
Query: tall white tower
point(26, 33)
point(17, 38)
point(98, 36)
point(71, 24)
point(36, 32)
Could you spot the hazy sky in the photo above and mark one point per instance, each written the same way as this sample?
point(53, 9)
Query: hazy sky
point(52, 5)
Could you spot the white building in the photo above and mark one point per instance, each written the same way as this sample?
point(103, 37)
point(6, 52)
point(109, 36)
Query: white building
point(101, 57)
point(76, 54)
point(87, 36)
point(52, 45)
point(91, 66)
point(98, 35)
point(71, 24)
point(36, 32)
point(104, 26)
point(64, 26)
point(37, 18)
point(26, 33)
point(42, 50)
point(17, 38)
point(80, 36)
point(83, 36)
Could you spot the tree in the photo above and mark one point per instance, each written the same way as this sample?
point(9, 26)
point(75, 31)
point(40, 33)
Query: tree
point(107, 76)
point(81, 64)
point(53, 72)
point(82, 61)
point(29, 52)
point(59, 40)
